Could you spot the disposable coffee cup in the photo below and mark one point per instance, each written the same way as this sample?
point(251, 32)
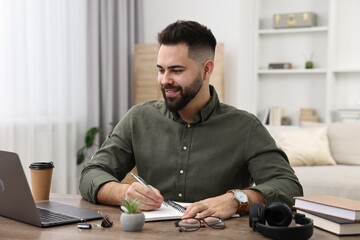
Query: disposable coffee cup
point(41, 175)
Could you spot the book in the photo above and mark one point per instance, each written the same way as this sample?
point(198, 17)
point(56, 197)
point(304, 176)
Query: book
point(275, 116)
point(332, 224)
point(330, 205)
point(165, 212)
point(264, 117)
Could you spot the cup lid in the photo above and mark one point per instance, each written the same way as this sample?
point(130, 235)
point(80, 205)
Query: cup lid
point(41, 165)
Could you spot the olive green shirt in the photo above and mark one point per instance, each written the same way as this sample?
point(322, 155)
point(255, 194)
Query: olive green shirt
point(224, 148)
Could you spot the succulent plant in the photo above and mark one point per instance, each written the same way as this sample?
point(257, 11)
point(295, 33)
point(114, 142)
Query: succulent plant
point(132, 206)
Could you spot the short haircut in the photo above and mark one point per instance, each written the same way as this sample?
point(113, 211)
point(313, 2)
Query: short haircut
point(197, 37)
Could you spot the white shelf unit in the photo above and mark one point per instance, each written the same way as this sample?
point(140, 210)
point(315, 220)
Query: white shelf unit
point(291, 71)
point(292, 30)
point(334, 82)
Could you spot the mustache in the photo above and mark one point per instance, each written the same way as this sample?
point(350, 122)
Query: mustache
point(171, 86)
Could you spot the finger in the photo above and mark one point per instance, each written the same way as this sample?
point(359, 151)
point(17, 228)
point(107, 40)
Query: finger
point(194, 209)
point(158, 197)
point(148, 198)
point(154, 199)
point(155, 190)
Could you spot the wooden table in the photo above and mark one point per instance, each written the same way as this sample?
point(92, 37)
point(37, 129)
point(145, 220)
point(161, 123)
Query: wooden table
point(237, 228)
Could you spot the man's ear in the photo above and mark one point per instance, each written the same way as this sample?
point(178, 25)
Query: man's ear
point(208, 69)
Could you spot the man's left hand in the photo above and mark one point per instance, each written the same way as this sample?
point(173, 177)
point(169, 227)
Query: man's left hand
point(223, 206)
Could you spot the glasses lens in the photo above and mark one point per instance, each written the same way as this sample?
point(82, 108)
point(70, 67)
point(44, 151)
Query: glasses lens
point(214, 222)
point(189, 224)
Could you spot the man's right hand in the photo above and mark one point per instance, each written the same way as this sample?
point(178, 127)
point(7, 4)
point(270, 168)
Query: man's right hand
point(149, 197)
point(113, 193)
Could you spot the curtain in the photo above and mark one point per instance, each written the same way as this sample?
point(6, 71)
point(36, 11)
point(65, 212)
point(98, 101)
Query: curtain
point(114, 27)
point(65, 66)
point(43, 86)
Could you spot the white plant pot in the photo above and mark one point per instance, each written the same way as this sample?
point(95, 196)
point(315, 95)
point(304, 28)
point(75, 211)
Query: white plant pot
point(132, 222)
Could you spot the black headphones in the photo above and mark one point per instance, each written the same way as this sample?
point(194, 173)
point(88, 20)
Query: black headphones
point(278, 217)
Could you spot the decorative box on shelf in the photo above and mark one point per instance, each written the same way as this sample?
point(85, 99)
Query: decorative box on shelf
point(284, 65)
point(294, 20)
point(308, 115)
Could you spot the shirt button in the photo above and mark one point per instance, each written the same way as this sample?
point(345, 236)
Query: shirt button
point(181, 171)
point(180, 195)
point(189, 125)
point(184, 148)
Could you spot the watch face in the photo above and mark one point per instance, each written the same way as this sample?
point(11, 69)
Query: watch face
point(241, 196)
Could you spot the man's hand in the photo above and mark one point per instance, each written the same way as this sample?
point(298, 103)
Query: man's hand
point(112, 193)
point(223, 206)
point(149, 197)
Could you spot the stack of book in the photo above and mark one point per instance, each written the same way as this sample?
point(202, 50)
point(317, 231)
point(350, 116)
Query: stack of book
point(337, 215)
point(349, 115)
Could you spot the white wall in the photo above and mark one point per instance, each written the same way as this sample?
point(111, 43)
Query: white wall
point(231, 21)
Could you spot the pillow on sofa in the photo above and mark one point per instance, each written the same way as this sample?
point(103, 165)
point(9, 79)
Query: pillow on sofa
point(305, 146)
point(344, 139)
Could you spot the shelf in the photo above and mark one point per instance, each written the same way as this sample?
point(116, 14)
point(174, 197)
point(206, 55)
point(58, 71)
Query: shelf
point(292, 71)
point(293, 30)
point(347, 70)
point(334, 44)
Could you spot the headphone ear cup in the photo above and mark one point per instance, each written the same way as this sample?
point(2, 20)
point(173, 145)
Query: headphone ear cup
point(256, 215)
point(278, 214)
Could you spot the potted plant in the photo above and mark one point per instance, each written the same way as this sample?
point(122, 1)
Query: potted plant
point(91, 143)
point(309, 64)
point(131, 218)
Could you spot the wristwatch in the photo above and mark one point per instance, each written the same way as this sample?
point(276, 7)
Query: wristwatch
point(242, 198)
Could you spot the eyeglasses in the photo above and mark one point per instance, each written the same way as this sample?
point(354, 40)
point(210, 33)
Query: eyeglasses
point(193, 224)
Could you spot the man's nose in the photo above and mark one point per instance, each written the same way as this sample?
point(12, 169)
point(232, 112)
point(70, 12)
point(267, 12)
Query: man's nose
point(165, 78)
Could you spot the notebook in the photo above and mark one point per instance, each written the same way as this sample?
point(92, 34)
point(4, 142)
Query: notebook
point(16, 201)
point(169, 210)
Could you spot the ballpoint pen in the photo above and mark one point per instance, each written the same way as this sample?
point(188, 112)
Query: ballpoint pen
point(140, 180)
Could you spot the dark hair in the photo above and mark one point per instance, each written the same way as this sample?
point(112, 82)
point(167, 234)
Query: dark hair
point(198, 37)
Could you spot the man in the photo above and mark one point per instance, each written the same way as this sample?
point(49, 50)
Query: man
point(189, 147)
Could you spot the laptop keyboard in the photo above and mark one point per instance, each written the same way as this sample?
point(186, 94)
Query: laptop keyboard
point(48, 216)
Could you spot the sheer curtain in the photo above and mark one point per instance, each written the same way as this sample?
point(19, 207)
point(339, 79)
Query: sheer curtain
point(65, 66)
point(43, 86)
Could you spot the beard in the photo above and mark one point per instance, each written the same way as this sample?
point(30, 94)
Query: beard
point(175, 104)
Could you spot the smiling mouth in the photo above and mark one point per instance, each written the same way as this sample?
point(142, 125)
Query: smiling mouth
point(171, 92)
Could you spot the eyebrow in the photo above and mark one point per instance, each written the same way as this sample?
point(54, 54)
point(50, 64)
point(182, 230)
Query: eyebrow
point(170, 67)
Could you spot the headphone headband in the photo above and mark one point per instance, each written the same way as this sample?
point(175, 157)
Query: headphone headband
point(258, 214)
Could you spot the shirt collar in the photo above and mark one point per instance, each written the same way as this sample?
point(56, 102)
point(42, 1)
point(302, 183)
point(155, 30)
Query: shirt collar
point(204, 113)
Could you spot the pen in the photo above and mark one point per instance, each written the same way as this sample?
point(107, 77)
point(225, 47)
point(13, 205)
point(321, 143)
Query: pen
point(140, 180)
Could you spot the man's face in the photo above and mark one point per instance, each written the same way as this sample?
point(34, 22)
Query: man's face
point(179, 76)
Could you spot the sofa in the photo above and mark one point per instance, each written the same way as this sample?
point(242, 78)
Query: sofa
point(325, 157)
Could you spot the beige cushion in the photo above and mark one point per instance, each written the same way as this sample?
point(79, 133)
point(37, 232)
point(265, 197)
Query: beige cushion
point(305, 146)
point(344, 139)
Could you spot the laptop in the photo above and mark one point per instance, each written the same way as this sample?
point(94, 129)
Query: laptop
point(16, 201)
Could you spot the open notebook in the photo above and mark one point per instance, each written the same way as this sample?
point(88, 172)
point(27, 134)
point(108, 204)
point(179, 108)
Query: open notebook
point(166, 212)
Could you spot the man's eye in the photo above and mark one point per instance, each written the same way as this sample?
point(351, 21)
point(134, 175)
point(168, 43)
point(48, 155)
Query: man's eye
point(161, 70)
point(178, 70)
